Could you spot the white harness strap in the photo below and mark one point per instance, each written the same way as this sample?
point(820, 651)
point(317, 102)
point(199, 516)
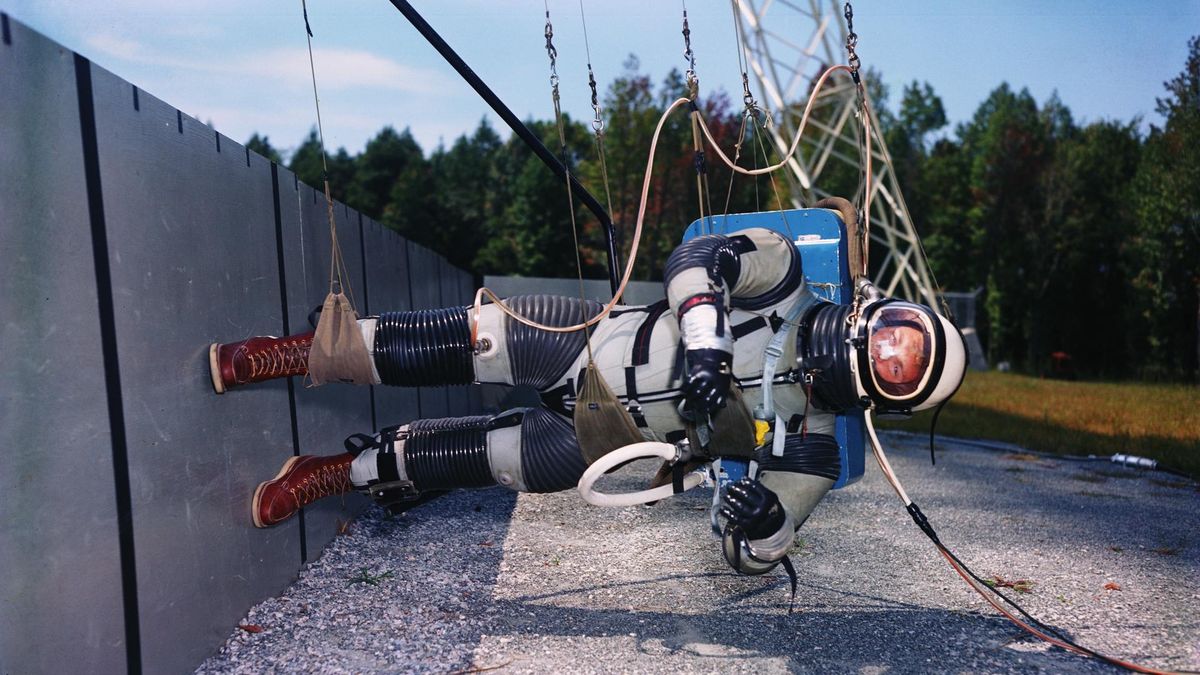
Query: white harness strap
point(771, 356)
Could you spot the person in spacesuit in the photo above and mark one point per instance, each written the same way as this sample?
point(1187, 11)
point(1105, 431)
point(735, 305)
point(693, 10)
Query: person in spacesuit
point(694, 360)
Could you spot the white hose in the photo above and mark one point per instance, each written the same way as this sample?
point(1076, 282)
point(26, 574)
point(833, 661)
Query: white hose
point(643, 450)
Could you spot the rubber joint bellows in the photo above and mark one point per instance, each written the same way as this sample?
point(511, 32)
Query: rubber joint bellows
point(425, 347)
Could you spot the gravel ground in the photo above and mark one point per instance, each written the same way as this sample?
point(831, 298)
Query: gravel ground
point(546, 583)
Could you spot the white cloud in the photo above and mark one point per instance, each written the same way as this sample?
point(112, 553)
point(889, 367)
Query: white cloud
point(116, 47)
point(155, 7)
point(336, 69)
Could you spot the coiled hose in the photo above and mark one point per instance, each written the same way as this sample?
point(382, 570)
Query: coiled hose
point(425, 347)
point(827, 355)
point(812, 454)
point(447, 453)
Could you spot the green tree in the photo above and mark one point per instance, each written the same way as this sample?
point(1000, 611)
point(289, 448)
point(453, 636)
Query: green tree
point(387, 157)
point(631, 114)
point(1088, 215)
point(262, 145)
point(530, 232)
point(1166, 247)
point(921, 113)
point(307, 164)
point(1007, 147)
point(933, 182)
point(940, 200)
point(466, 189)
point(633, 110)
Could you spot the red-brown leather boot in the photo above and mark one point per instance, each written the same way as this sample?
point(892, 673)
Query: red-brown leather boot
point(258, 359)
point(302, 481)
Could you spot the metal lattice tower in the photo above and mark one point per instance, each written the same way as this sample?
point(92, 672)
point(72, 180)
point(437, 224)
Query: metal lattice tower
point(786, 70)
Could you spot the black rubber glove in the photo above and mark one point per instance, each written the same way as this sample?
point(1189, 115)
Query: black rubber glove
point(754, 507)
point(710, 372)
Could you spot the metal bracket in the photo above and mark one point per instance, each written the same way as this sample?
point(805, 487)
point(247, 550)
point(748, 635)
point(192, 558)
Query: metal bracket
point(395, 491)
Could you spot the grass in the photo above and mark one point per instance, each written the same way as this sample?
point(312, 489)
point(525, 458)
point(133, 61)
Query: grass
point(1018, 585)
point(365, 576)
point(1160, 421)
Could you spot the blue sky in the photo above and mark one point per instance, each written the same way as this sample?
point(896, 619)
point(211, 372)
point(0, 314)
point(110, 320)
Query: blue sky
point(243, 64)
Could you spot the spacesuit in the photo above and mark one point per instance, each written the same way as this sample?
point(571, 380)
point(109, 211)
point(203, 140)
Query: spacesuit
point(694, 361)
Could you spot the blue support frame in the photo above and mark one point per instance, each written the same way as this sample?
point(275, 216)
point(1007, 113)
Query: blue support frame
point(820, 236)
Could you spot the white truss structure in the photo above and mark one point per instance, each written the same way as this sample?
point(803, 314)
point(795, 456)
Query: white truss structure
point(786, 69)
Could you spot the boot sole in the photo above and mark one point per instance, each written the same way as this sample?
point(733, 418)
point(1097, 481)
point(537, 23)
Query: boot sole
point(214, 369)
point(255, 502)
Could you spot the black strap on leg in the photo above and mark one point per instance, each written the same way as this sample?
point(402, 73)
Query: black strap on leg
point(631, 395)
point(677, 477)
point(388, 489)
point(812, 454)
point(641, 339)
point(356, 443)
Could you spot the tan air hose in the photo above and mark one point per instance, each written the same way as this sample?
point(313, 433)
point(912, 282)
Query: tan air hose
point(637, 233)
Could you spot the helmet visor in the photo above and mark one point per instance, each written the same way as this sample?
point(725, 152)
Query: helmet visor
point(900, 339)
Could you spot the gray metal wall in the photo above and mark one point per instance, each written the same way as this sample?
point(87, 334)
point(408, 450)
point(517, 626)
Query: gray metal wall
point(131, 237)
point(59, 544)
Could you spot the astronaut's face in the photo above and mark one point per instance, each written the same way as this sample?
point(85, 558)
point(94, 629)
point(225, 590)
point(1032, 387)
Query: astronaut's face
point(898, 353)
point(899, 345)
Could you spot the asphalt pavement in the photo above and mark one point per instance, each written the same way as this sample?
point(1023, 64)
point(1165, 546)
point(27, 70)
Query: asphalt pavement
point(491, 580)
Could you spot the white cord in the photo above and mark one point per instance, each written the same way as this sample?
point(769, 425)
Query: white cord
point(666, 451)
point(884, 464)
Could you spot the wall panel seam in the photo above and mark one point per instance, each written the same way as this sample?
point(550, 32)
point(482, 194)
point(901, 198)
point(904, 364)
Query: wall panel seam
point(287, 330)
point(112, 376)
point(362, 247)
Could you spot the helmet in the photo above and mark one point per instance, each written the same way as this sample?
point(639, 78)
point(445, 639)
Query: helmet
point(896, 357)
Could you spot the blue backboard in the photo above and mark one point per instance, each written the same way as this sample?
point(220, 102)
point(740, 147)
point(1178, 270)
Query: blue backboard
point(820, 237)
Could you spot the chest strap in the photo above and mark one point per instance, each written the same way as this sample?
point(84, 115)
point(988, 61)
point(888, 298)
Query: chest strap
point(631, 395)
point(771, 355)
point(747, 327)
point(641, 339)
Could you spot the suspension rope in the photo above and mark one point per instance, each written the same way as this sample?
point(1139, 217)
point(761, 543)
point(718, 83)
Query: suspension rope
point(641, 215)
point(338, 275)
point(693, 94)
point(598, 117)
point(698, 121)
point(757, 115)
point(637, 236)
point(552, 52)
point(774, 187)
point(864, 138)
point(737, 153)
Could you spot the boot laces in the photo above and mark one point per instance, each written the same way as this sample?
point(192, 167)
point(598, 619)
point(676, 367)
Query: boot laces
point(285, 357)
point(330, 479)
